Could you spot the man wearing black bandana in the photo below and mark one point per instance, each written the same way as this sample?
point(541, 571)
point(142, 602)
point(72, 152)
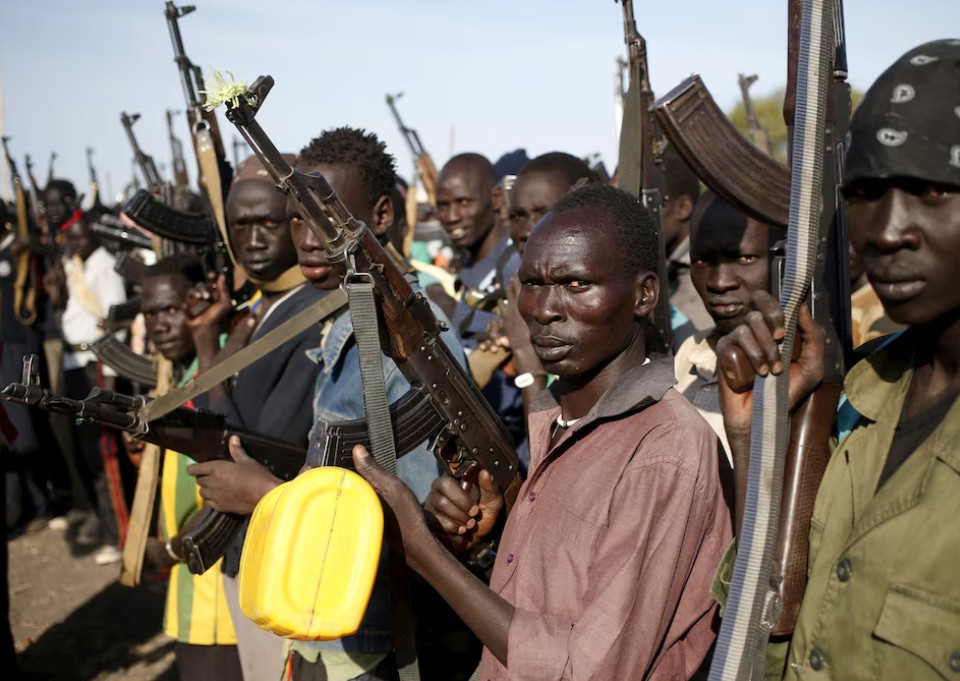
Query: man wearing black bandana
point(883, 596)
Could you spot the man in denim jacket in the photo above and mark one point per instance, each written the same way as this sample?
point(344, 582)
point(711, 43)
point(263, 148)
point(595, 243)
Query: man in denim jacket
point(362, 173)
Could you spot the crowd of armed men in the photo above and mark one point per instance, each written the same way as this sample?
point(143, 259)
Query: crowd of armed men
point(631, 423)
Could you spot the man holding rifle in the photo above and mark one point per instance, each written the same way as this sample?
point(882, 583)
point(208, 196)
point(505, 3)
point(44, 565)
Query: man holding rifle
point(272, 395)
point(882, 600)
point(359, 168)
point(604, 565)
point(196, 614)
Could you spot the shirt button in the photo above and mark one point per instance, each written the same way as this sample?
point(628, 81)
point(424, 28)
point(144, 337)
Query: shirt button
point(532, 496)
point(816, 660)
point(955, 661)
point(843, 570)
point(509, 558)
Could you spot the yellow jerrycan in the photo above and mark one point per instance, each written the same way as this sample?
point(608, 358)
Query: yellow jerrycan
point(311, 554)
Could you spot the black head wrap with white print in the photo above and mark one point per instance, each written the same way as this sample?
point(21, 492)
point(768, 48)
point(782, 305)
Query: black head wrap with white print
point(908, 124)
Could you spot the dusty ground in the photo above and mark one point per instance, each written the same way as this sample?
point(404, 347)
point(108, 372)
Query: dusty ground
point(72, 621)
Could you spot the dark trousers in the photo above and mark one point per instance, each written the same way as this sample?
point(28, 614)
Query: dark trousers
point(207, 663)
point(302, 670)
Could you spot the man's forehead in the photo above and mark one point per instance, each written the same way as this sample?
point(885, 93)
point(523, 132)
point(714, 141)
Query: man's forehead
point(164, 287)
point(589, 228)
point(461, 177)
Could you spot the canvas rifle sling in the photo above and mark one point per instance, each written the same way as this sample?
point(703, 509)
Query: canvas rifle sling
point(752, 607)
point(217, 374)
point(363, 313)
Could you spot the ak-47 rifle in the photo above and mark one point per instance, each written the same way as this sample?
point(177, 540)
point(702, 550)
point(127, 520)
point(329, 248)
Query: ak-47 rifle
point(50, 175)
point(148, 168)
point(639, 171)
point(750, 180)
point(215, 170)
point(426, 168)
point(468, 433)
point(180, 180)
point(37, 209)
point(202, 435)
point(93, 201)
point(109, 227)
point(25, 285)
point(777, 525)
point(117, 355)
point(759, 134)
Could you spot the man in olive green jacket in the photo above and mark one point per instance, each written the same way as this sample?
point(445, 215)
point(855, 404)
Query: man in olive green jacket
point(883, 596)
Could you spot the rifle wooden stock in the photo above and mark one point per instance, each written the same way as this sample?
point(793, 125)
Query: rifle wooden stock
point(806, 461)
point(720, 156)
point(25, 285)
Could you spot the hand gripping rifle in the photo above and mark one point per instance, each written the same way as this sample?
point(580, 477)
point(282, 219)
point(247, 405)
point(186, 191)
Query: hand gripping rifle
point(770, 572)
point(202, 435)
point(426, 169)
point(639, 171)
point(759, 134)
point(25, 285)
point(467, 433)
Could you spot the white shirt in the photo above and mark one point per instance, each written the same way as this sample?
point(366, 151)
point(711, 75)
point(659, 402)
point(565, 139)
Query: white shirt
point(92, 287)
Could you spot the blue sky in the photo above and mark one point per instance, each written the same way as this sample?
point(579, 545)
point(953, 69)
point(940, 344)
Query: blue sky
point(478, 76)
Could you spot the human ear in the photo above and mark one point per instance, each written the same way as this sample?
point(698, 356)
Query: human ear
point(647, 291)
point(496, 197)
point(684, 207)
point(383, 216)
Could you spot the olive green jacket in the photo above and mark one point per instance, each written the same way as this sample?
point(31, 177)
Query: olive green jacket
point(883, 596)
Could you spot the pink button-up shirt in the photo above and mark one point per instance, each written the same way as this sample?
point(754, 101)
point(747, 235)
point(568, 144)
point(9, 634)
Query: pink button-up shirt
point(610, 550)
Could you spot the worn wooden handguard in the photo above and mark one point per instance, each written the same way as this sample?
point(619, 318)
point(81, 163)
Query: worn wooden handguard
point(720, 156)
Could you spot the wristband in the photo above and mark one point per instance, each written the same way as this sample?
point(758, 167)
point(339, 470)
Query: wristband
point(173, 555)
point(525, 380)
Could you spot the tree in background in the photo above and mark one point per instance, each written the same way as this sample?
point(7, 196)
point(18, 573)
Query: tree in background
point(769, 110)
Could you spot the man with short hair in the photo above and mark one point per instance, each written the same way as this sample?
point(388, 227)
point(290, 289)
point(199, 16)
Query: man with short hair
point(84, 289)
point(603, 570)
point(272, 395)
point(358, 167)
point(729, 260)
point(539, 185)
point(196, 615)
point(882, 600)
point(468, 200)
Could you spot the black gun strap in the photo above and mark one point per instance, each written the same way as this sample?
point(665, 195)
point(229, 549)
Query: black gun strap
point(363, 313)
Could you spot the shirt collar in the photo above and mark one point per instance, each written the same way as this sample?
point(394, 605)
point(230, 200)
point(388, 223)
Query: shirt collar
point(334, 341)
point(880, 378)
point(638, 388)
